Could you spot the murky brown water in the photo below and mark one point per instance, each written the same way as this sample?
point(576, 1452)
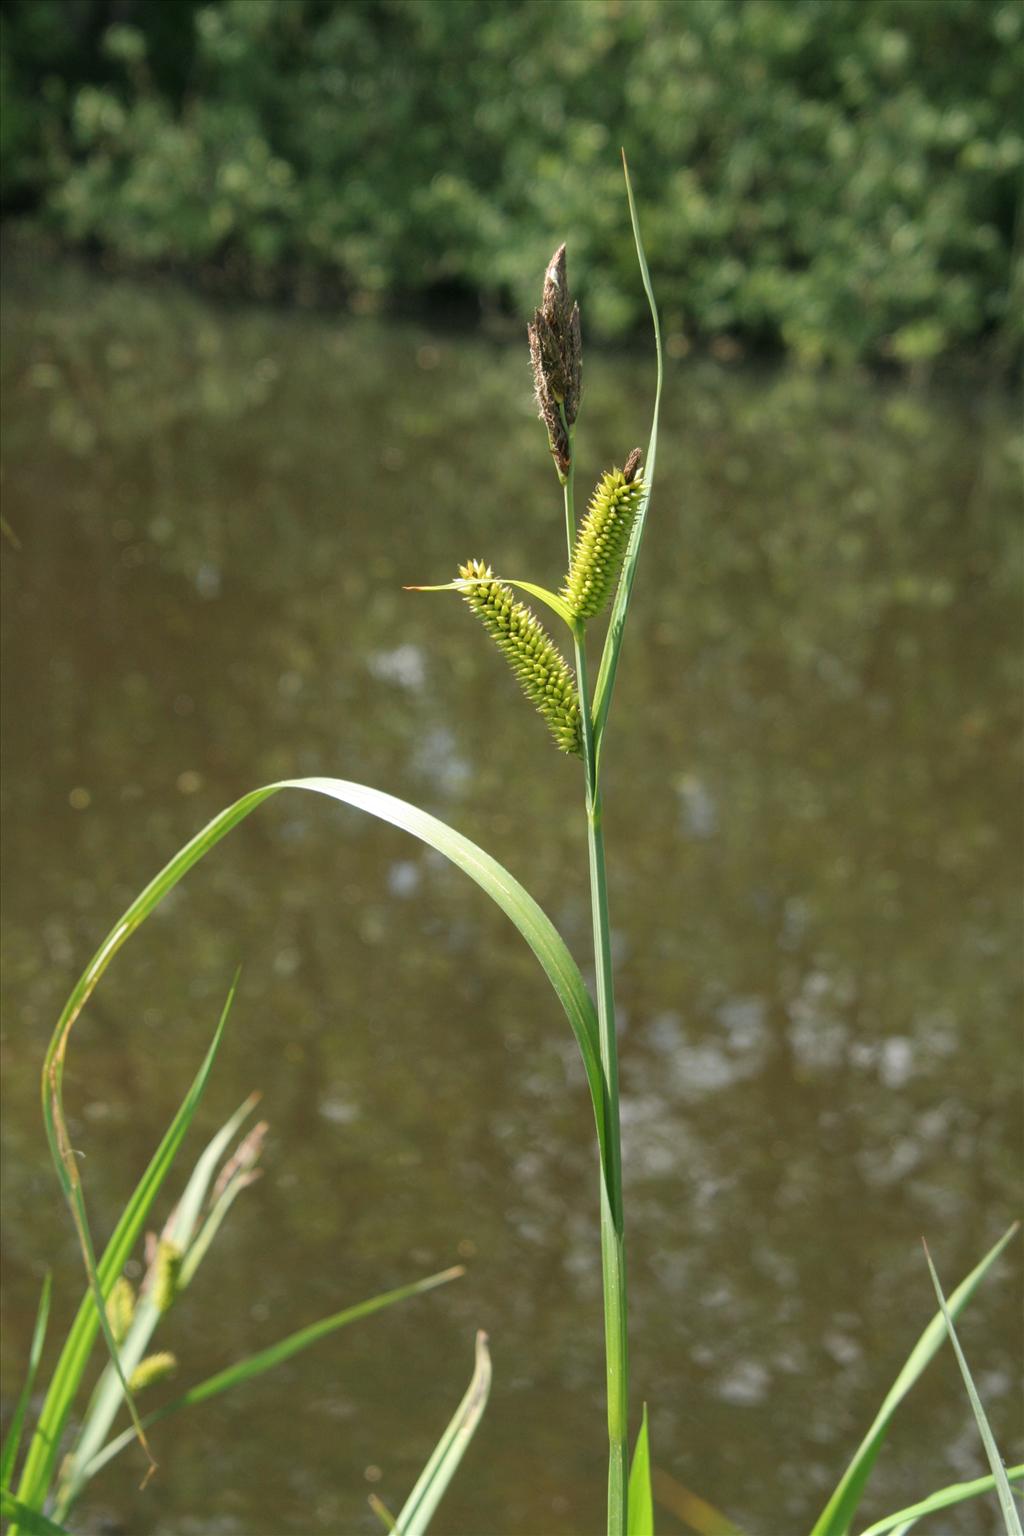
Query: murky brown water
point(812, 786)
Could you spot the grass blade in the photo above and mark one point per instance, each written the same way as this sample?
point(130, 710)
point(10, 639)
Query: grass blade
point(28, 1520)
point(12, 1439)
point(1011, 1519)
point(418, 1510)
point(43, 1449)
point(617, 624)
point(944, 1498)
point(838, 1513)
point(507, 893)
point(640, 1516)
point(255, 1365)
point(108, 1393)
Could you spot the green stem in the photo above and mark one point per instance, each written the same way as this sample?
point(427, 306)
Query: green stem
point(613, 1245)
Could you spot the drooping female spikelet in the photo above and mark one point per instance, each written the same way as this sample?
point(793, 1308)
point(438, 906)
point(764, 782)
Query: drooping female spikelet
point(543, 673)
point(120, 1308)
point(601, 539)
point(152, 1369)
point(166, 1273)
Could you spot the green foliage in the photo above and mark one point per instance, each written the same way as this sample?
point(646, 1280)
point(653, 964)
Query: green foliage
point(1011, 1519)
point(432, 1483)
point(839, 177)
point(835, 1518)
point(131, 1321)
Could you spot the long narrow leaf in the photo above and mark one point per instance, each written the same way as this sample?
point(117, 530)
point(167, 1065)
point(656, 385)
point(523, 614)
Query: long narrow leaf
point(108, 1393)
point(45, 1443)
point(1011, 1519)
point(186, 1217)
point(418, 1510)
point(532, 922)
point(28, 1520)
point(640, 1516)
point(255, 1365)
point(12, 1439)
point(944, 1498)
point(836, 1517)
point(617, 624)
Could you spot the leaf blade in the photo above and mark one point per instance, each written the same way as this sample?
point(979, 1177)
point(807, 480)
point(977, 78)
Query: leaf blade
point(264, 1360)
point(508, 894)
point(1006, 1505)
point(12, 1439)
point(43, 1448)
point(107, 1394)
point(28, 1520)
point(835, 1518)
point(418, 1510)
point(640, 1516)
point(620, 608)
point(943, 1498)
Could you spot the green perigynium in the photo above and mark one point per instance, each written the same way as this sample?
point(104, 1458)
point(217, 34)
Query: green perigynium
point(601, 540)
point(544, 675)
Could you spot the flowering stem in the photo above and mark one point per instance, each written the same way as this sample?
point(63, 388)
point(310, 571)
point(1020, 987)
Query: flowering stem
point(613, 1245)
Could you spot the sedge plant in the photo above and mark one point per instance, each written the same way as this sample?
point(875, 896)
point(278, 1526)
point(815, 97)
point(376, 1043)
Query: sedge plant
point(602, 550)
point(50, 1484)
point(601, 553)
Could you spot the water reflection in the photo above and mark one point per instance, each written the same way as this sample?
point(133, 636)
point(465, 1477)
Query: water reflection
point(810, 781)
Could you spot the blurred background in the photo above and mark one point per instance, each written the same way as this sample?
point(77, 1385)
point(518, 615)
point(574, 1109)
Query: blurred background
point(266, 271)
point(835, 177)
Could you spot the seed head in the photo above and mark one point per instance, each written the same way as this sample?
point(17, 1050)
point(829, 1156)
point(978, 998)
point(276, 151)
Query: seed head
point(601, 540)
point(166, 1274)
point(544, 675)
point(152, 1369)
point(120, 1308)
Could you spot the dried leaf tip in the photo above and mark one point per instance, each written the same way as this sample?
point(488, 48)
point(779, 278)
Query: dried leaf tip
point(556, 355)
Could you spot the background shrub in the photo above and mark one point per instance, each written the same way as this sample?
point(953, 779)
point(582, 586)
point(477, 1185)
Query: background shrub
point(836, 177)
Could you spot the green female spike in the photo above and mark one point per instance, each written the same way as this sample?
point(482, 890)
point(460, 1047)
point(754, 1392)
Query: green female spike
point(544, 675)
point(601, 539)
point(121, 1308)
point(166, 1274)
point(152, 1369)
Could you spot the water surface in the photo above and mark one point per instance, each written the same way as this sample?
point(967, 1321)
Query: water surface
point(811, 778)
